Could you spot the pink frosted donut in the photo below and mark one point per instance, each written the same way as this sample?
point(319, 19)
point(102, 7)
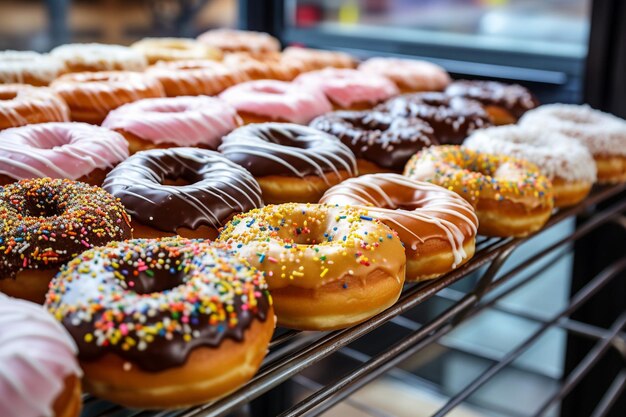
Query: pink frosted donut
point(350, 89)
point(269, 100)
point(39, 363)
point(77, 151)
point(175, 121)
point(410, 75)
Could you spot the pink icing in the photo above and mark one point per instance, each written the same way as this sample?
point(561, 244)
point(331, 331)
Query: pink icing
point(59, 150)
point(278, 100)
point(347, 87)
point(184, 121)
point(36, 354)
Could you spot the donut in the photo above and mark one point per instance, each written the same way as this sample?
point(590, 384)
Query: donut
point(269, 66)
point(381, 142)
point(269, 100)
point(163, 323)
point(511, 196)
point(186, 191)
point(46, 222)
point(92, 95)
point(568, 165)
point(77, 151)
point(316, 59)
point(436, 226)
point(173, 121)
point(409, 75)
point(349, 89)
point(79, 57)
point(326, 267)
point(28, 67)
point(195, 77)
point(602, 133)
point(40, 374)
point(229, 40)
point(291, 163)
point(505, 103)
point(22, 104)
point(452, 118)
point(174, 49)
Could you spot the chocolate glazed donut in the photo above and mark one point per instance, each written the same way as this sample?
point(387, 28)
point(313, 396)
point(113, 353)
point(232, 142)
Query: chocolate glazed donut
point(292, 163)
point(452, 118)
point(382, 142)
point(187, 191)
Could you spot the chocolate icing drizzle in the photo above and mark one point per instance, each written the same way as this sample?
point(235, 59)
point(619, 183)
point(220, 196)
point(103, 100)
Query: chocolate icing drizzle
point(382, 138)
point(216, 188)
point(516, 99)
point(452, 118)
point(287, 149)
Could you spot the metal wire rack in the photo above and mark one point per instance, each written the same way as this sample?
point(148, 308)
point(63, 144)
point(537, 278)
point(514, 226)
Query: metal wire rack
point(292, 352)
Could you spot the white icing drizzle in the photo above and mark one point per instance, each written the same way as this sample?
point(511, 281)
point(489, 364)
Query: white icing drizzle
point(31, 100)
point(100, 57)
point(556, 155)
point(36, 354)
point(18, 66)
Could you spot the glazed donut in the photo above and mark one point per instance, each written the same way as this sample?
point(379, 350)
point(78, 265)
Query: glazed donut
point(452, 118)
point(195, 78)
point(505, 103)
point(349, 89)
point(186, 191)
point(511, 196)
point(409, 75)
point(228, 40)
point(436, 226)
point(163, 323)
point(269, 100)
point(173, 121)
point(602, 133)
point(79, 57)
point(76, 151)
point(22, 104)
point(381, 142)
point(92, 95)
point(269, 66)
point(327, 267)
point(316, 59)
point(174, 49)
point(568, 165)
point(27, 67)
point(40, 374)
point(291, 163)
point(45, 223)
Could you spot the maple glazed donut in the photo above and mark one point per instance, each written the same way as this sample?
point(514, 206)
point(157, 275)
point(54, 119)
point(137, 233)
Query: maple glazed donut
point(505, 103)
point(45, 223)
point(22, 104)
point(317, 59)
point(163, 323)
point(270, 100)
point(186, 191)
point(602, 133)
point(229, 40)
point(174, 49)
point(269, 66)
point(92, 95)
point(452, 118)
point(436, 226)
point(381, 141)
point(40, 373)
point(568, 165)
point(173, 121)
point(77, 151)
point(511, 196)
point(291, 163)
point(410, 75)
point(350, 89)
point(327, 267)
point(79, 57)
point(28, 67)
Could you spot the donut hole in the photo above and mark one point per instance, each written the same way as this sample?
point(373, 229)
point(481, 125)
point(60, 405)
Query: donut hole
point(143, 280)
point(182, 179)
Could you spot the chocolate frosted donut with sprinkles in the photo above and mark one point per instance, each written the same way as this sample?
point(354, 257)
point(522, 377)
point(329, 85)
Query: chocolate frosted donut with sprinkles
point(186, 191)
point(163, 323)
point(45, 223)
point(452, 118)
point(382, 142)
point(292, 163)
